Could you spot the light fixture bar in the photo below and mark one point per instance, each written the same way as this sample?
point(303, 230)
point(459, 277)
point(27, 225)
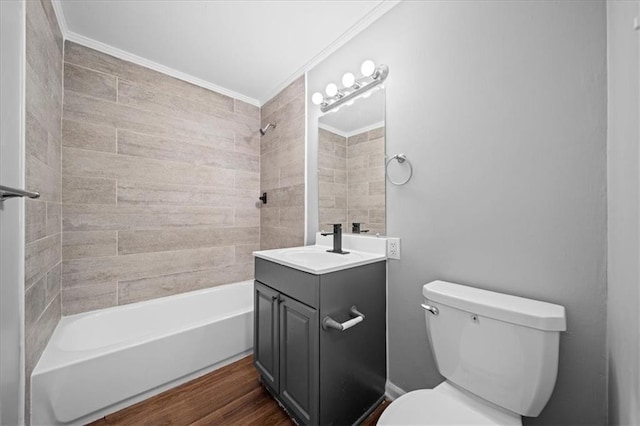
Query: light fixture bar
point(380, 74)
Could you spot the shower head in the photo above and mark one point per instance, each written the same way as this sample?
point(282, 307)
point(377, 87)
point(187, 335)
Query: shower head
point(263, 131)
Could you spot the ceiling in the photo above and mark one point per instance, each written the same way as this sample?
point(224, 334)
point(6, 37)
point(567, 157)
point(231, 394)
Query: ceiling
point(249, 48)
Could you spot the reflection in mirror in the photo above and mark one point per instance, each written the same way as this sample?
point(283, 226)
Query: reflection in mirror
point(351, 156)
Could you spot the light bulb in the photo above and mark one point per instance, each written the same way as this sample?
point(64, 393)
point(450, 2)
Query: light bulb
point(348, 79)
point(368, 68)
point(331, 89)
point(317, 98)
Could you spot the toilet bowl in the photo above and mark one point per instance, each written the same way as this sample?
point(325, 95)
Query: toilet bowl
point(445, 405)
point(497, 352)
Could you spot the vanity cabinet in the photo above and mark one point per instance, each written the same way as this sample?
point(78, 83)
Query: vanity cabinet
point(321, 375)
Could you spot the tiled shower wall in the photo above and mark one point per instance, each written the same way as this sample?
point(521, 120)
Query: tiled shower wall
point(332, 180)
point(43, 113)
point(282, 168)
point(352, 180)
point(160, 181)
point(366, 180)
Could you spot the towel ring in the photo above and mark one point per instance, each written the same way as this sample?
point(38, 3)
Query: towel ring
point(401, 159)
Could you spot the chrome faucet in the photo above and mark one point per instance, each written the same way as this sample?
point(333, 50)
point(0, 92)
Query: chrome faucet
point(337, 239)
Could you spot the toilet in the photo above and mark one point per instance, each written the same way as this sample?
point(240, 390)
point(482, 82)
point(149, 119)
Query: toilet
point(498, 354)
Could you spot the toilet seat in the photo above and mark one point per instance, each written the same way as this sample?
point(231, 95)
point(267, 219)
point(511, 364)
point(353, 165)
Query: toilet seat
point(445, 405)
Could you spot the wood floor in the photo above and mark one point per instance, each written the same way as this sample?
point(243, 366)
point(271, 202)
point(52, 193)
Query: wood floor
point(231, 395)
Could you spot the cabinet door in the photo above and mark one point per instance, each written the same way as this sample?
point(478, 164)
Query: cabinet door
point(299, 367)
point(265, 334)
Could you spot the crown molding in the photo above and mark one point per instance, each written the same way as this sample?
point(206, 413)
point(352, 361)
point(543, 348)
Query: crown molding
point(353, 132)
point(62, 22)
point(138, 60)
point(383, 7)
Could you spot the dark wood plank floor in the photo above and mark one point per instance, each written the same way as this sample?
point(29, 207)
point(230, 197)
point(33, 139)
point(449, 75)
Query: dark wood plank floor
point(231, 395)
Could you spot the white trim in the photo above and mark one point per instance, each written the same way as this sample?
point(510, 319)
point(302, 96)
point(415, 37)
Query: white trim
point(383, 7)
point(62, 22)
point(138, 60)
point(393, 391)
point(306, 161)
point(357, 28)
point(353, 132)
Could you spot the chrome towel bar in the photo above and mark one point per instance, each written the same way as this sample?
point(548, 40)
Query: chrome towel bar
point(7, 192)
point(329, 323)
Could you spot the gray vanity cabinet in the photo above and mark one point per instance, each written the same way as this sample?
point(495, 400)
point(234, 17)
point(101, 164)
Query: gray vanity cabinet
point(321, 376)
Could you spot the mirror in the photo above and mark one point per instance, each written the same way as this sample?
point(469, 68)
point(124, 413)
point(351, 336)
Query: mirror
point(351, 162)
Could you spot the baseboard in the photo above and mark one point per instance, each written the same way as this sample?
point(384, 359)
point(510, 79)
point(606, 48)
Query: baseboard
point(393, 391)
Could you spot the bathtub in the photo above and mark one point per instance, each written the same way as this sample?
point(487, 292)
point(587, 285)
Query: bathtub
point(99, 362)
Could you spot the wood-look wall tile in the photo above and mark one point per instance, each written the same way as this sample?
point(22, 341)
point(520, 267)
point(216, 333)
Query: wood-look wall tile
point(131, 291)
point(247, 180)
point(247, 110)
point(43, 179)
point(148, 193)
point(247, 218)
point(54, 218)
point(292, 216)
point(83, 135)
point(166, 149)
point(99, 270)
point(40, 256)
point(89, 82)
point(153, 240)
point(35, 219)
point(42, 52)
point(88, 298)
point(269, 216)
point(295, 89)
point(79, 244)
point(90, 271)
point(46, 109)
point(53, 284)
point(293, 174)
point(77, 162)
point(173, 104)
point(86, 190)
point(272, 238)
point(36, 139)
point(39, 333)
point(377, 133)
point(244, 252)
point(88, 217)
point(90, 58)
point(35, 300)
point(52, 20)
point(78, 107)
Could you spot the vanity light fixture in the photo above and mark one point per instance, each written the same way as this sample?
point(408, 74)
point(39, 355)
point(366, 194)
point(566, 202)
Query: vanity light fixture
point(372, 76)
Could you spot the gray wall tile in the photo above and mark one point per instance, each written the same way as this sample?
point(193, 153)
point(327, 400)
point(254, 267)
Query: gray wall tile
point(79, 244)
point(89, 82)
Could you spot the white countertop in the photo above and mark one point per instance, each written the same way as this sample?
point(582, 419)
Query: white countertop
point(316, 260)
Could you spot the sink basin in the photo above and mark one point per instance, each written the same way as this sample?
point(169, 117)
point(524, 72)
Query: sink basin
point(319, 257)
point(316, 259)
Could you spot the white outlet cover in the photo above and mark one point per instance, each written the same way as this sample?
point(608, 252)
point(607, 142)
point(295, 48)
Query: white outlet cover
point(393, 248)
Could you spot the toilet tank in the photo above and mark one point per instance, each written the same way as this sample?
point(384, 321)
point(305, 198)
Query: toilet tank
point(502, 348)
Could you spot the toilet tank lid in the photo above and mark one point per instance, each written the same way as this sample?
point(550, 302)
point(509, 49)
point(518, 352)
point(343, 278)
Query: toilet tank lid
point(504, 307)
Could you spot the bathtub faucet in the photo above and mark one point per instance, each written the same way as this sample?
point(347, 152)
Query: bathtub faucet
point(337, 239)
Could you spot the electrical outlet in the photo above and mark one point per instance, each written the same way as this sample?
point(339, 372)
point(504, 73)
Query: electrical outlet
point(393, 248)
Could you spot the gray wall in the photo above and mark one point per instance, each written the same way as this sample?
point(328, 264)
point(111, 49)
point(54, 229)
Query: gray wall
point(501, 107)
point(43, 113)
point(622, 193)
point(160, 180)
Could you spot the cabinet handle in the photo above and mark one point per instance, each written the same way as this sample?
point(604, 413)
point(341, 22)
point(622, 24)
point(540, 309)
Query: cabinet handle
point(329, 323)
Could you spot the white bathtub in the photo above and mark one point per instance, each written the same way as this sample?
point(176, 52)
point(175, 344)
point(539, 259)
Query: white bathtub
point(99, 362)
